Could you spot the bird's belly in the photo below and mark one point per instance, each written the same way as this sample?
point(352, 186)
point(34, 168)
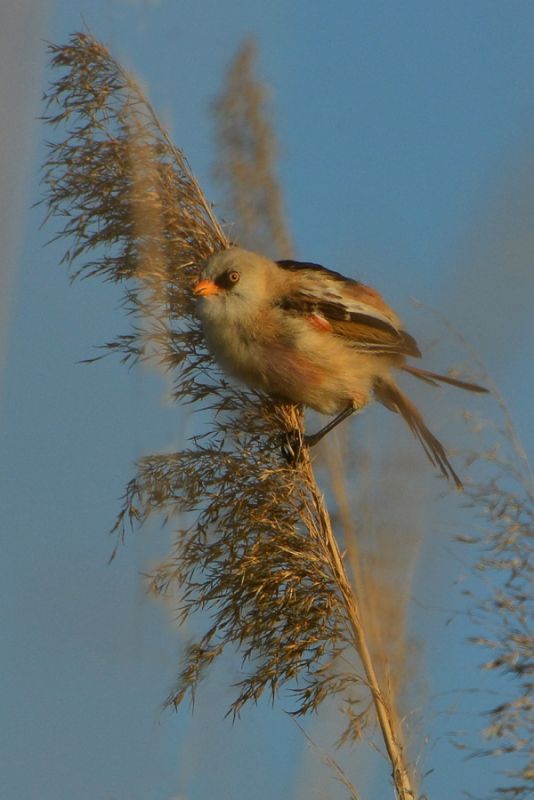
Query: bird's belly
point(287, 371)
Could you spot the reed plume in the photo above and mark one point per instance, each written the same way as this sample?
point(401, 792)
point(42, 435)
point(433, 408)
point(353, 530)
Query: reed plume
point(502, 601)
point(245, 159)
point(257, 552)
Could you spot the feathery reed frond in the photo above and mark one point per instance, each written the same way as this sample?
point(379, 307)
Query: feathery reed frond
point(132, 207)
point(258, 552)
point(503, 499)
point(246, 153)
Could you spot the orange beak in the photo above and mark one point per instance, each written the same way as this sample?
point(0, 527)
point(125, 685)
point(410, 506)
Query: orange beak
point(205, 288)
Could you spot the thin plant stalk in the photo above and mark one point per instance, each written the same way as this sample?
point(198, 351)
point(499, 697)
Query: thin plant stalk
point(401, 777)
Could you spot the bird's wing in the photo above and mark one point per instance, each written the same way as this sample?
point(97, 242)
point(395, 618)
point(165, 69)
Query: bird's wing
point(347, 308)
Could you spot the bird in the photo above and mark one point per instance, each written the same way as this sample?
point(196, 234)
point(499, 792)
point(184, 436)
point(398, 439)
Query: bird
point(303, 333)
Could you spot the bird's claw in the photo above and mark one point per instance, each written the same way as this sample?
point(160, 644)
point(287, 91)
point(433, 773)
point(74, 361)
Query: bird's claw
point(291, 445)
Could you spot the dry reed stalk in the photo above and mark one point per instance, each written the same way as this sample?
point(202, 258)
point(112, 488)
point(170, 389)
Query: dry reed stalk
point(245, 163)
point(381, 558)
point(259, 554)
point(385, 712)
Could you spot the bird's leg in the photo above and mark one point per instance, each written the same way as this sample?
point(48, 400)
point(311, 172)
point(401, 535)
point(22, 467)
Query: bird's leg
point(313, 438)
point(293, 441)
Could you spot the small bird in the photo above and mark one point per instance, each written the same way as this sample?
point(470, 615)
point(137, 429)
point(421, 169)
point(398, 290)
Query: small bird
point(306, 334)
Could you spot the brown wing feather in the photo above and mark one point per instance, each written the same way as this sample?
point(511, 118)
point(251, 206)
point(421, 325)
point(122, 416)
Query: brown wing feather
point(349, 309)
point(365, 294)
point(377, 339)
point(365, 331)
point(434, 378)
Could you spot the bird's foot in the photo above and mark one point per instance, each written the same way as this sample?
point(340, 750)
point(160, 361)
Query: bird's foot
point(291, 445)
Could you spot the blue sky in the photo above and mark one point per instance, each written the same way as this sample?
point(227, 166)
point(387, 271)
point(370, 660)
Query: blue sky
point(406, 137)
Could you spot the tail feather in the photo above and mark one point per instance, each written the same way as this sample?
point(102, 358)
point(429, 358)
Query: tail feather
point(434, 378)
point(391, 396)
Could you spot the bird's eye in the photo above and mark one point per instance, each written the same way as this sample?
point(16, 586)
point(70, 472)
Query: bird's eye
point(227, 280)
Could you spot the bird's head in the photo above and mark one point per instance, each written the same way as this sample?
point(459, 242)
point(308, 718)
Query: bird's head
point(234, 283)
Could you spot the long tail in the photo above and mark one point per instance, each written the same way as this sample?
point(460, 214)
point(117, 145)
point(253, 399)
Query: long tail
point(434, 378)
point(391, 396)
